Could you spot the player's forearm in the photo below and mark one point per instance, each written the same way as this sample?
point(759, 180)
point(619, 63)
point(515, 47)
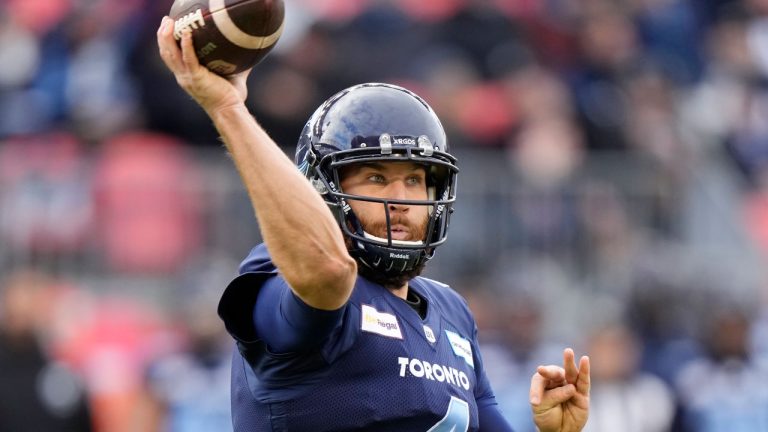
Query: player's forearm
point(304, 241)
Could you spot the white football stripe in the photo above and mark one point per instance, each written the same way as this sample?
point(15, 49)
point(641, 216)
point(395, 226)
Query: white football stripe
point(233, 33)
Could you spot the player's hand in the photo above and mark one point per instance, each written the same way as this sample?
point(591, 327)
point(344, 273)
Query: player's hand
point(559, 397)
point(211, 91)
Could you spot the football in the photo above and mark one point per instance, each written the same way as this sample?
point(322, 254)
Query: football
point(230, 36)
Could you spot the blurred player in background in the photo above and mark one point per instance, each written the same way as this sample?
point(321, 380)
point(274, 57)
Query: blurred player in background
point(334, 327)
point(38, 393)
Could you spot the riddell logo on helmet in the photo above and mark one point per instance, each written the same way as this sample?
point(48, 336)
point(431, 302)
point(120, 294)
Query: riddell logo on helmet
point(441, 207)
point(397, 255)
point(405, 141)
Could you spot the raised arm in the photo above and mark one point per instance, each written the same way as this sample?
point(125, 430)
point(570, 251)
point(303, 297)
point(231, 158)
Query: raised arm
point(299, 230)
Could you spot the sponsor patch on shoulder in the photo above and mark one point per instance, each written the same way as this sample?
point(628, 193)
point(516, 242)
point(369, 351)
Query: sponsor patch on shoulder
point(381, 323)
point(461, 347)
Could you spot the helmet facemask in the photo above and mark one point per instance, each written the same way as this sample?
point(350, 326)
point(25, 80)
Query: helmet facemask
point(384, 259)
point(380, 123)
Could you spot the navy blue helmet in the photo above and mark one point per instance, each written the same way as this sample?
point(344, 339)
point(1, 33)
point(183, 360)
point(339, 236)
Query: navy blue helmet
point(380, 123)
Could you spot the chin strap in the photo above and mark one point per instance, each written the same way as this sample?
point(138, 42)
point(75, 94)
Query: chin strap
point(389, 261)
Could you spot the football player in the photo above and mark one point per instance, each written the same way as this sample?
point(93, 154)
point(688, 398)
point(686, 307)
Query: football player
point(335, 329)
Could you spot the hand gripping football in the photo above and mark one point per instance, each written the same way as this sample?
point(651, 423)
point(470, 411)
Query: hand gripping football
point(230, 36)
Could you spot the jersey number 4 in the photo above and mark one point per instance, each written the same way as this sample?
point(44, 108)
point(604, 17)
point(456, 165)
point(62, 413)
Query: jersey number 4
point(455, 420)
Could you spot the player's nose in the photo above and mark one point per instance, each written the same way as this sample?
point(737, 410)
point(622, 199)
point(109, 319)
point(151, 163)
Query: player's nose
point(397, 190)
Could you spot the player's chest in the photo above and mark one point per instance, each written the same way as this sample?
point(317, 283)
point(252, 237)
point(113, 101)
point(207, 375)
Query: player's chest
point(401, 347)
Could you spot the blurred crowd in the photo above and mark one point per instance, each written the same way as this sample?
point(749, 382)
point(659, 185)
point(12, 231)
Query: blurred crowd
point(614, 198)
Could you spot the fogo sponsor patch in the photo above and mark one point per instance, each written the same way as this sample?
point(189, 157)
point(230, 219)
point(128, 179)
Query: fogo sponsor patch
point(461, 347)
point(381, 323)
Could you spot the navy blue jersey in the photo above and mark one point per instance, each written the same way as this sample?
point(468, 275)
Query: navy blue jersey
point(378, 366)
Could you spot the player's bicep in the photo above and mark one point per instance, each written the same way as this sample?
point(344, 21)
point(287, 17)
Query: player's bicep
point(287, 324)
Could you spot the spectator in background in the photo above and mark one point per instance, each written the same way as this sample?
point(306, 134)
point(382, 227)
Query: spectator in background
point(625, 399)
point(186, 388)
point(724, 389)
point(287, 88)
point(726, 110)
point(45, 206)
point(666, 298)
point(547, 155)
point(759, 330)
point(516, 345)
point(612, 244)
point(37, 393)
point(84, 71)
point(670, 31)
point(609, 48)
point(110, 339)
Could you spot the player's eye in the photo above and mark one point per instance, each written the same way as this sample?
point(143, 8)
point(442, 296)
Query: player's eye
point(415, 180)
point(376, 178)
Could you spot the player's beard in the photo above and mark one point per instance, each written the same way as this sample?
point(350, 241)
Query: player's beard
point(417, 232)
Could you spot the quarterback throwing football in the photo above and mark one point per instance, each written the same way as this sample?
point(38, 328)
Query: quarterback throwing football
point(335, 329)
